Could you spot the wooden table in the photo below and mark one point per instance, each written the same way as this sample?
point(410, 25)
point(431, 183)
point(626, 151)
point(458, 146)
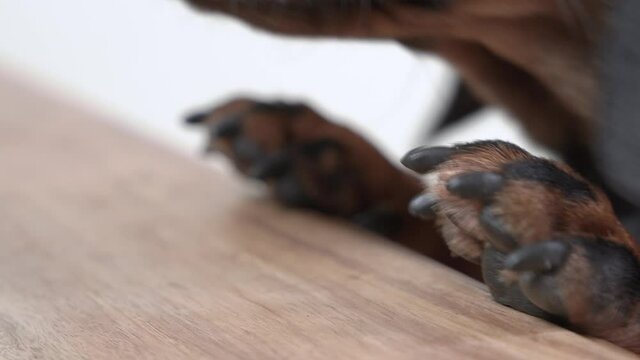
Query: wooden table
point(112, 247)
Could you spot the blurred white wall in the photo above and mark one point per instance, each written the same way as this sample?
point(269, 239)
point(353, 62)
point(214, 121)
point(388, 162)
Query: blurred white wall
point(148, 62)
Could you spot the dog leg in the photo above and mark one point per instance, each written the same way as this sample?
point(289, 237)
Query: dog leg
point(549, 242)
point(310, 162)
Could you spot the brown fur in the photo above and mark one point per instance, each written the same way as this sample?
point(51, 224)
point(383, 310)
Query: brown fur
point(534, 212)
point(375, 182)
point(502, 48)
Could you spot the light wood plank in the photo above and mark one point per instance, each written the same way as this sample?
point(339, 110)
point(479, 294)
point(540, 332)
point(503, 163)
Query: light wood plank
point(114, 248)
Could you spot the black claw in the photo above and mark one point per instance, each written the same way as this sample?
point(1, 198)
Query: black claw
point(541, 257)
point(196, 118)
point(227, 128)
point(247, 150)
point(272, 166)
point(478, 185)
point(425, 159)
point(503, 291)
point(423, 206)
point(500, 238)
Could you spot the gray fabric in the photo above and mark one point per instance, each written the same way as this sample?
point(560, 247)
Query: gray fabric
point(618, 146)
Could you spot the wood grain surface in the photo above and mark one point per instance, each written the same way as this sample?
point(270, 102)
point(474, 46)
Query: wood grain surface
point(112, 247)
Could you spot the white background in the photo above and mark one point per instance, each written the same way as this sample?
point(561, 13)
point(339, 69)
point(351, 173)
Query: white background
point(148, 62)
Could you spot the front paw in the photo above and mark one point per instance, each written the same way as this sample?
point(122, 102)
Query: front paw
point(549, 242)
point(308, 161)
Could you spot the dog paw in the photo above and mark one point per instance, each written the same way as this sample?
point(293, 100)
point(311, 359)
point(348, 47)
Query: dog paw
point(308, 161)
point(548, 241)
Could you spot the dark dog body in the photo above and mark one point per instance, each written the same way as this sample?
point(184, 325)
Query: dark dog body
point(547, 239)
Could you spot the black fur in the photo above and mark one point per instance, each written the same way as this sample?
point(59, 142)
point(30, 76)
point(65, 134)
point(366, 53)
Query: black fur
point(547, 173)
point(618, 279)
